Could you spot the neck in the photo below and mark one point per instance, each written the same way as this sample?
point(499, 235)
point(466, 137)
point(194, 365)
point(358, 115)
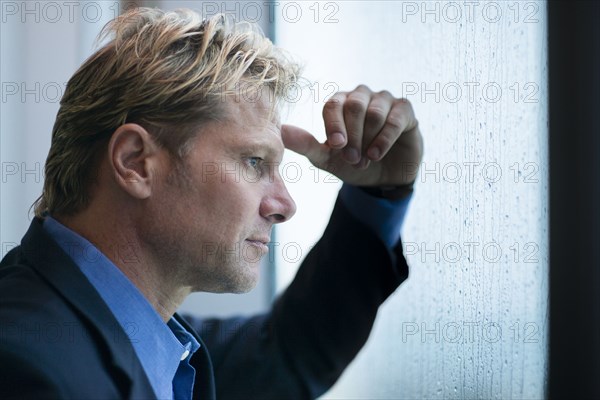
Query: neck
point(120, 242)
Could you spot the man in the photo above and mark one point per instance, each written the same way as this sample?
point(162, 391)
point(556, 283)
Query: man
point(135, 215)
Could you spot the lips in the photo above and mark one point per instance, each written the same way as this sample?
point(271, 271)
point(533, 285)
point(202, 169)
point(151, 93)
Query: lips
point(259, 242)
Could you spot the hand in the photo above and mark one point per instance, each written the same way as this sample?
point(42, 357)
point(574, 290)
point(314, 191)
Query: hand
point(373, 139)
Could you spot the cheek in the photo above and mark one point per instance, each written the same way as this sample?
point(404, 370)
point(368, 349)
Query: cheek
point(229, 206)
point(240, 205)
point(222, 198)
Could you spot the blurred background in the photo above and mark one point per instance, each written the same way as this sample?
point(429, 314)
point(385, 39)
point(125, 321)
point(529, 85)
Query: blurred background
point(472, 319)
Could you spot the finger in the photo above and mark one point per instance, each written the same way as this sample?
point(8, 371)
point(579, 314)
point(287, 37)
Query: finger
point(401, 118)
point(333, 116)
point(377, 113)
point(302, 142)
point(363, 163)
point(355, 110)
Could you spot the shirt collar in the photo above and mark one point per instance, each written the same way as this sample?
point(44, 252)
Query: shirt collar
point(159, 346)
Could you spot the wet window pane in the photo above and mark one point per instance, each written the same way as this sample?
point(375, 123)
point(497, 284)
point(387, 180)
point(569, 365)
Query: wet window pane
point(471, 321)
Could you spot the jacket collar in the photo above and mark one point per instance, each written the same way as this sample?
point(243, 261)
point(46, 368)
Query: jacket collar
point(57, 268)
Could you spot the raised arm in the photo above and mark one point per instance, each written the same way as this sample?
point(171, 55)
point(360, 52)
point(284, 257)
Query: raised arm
point(316, 328)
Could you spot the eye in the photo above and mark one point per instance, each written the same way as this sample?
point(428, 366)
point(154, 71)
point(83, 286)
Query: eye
point(255, 162)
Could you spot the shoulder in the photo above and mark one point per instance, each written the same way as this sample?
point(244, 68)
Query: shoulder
point(47, 348)
point(28, 300)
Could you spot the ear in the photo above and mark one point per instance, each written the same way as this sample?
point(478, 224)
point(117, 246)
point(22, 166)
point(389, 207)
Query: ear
point(136, 160)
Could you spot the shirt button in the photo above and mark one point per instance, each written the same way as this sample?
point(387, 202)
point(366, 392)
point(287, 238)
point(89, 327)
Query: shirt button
point(185, 354)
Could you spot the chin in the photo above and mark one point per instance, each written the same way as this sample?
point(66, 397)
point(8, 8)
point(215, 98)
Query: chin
point(224, 286)
point(237, 279)
point(246, 280)
point(228, 273)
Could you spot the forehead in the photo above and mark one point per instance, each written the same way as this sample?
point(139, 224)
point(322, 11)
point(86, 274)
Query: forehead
point(248, 128)
point(256, 117)
point(258, 107)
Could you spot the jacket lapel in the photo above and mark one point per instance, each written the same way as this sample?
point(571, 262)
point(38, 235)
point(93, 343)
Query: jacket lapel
point(51, 262)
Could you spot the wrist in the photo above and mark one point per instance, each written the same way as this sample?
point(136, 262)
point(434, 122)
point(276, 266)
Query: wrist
point(396, 192)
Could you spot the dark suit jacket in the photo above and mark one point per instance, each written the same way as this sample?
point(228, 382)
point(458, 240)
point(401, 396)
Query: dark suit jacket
point(58, 339)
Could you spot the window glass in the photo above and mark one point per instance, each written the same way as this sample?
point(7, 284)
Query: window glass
point(471, 321)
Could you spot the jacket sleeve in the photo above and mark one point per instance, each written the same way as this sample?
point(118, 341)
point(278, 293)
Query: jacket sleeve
point(316, 327)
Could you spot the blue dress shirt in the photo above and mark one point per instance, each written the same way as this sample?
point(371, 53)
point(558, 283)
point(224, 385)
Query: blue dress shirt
point(164, 350)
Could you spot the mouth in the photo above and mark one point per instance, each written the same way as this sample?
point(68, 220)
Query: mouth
point(260, 243)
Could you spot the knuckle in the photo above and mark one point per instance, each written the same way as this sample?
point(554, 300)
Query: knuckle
point(395, 121)
point(334, 125)
point(405, 102)
point(362, 88)
point(376, 114)
point(385, 141)
point(354, 134)
point(386, 94)
point(331, 105)
point(355, 106)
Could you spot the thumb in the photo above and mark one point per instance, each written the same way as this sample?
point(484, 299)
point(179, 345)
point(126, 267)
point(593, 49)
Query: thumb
point(302, 142)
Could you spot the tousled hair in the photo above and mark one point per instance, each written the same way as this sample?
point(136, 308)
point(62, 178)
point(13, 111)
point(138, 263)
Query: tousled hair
point(167, 71)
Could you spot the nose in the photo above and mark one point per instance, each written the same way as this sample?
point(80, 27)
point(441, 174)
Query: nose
point(277, 206)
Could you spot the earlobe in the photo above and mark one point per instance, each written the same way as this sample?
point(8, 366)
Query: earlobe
point(133, 155)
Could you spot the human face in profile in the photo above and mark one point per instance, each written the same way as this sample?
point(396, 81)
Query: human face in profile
point(217, 210)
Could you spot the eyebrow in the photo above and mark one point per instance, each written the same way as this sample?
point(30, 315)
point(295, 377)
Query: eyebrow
point(259, 144)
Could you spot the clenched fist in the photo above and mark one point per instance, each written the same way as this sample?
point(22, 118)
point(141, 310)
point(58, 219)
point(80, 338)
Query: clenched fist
point(373, 139)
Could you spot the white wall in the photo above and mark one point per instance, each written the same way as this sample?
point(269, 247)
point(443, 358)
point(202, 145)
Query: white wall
point(471, 321)
point(41, 46)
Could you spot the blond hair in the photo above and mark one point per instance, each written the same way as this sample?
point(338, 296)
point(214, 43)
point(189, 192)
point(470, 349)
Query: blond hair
point(167, 71)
